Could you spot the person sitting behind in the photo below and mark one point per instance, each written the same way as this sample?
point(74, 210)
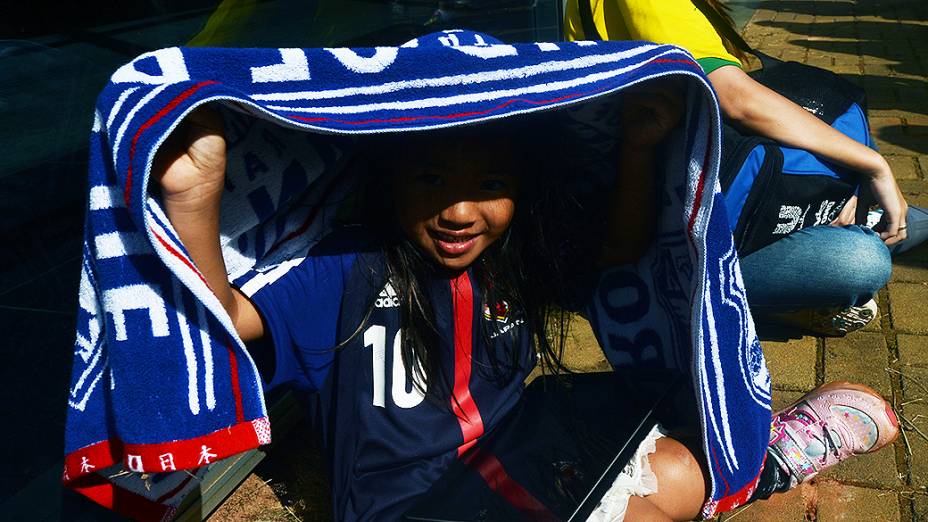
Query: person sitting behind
point(854, 260)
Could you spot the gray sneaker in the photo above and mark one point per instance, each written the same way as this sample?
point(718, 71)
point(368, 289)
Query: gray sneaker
point(828, 322)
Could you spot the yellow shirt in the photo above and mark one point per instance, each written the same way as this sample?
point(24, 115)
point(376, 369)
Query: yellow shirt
point(676, 22)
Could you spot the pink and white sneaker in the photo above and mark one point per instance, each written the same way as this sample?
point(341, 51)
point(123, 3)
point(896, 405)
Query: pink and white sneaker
point(828, 425)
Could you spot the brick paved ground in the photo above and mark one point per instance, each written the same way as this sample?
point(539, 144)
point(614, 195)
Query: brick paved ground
point(882, 45)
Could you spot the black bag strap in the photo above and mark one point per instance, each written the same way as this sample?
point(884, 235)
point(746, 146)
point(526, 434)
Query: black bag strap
point(586, 21)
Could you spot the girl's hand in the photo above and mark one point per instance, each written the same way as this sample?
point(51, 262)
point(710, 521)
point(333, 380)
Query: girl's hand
point(650, 111)
point(190, 166)
point(885, 191)
point(848, 214)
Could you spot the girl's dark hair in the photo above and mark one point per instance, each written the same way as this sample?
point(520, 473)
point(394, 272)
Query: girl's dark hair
point(525, 268)
point(724, 17)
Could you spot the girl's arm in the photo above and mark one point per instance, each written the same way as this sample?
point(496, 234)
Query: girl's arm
point(631, 222)
point(765, 112)
point(649, 113)
point(190, 168)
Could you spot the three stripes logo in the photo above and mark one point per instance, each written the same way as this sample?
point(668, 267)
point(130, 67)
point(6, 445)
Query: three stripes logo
point(387, 298)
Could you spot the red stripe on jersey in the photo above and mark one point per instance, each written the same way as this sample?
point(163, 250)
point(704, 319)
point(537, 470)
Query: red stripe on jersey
point(462, 403)
point(491, 470)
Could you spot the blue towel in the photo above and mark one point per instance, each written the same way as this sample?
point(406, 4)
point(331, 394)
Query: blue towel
point(161, 382)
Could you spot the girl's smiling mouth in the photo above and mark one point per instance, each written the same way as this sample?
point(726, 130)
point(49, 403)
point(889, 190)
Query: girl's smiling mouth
point(453, 243)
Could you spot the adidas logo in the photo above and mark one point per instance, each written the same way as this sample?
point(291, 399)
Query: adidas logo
point(387, 298)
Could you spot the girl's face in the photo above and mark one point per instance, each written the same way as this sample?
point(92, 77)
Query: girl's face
point(453, 201)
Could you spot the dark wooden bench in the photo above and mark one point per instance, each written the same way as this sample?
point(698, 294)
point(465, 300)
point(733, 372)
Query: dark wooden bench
point(45, 500)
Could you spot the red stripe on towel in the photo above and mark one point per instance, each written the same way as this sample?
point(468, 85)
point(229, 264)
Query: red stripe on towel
point(734, 500)
point(683, 61)
point(236, 386)
point(151, 121)
point(147, 458)
point(700, 186)
point(183, 259)
point(402, 119)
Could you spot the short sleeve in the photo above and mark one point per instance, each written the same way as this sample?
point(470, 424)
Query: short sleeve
point(301, 310)
point(676, 22)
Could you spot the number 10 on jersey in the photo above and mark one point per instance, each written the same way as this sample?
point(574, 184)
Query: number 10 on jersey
point(403, 394)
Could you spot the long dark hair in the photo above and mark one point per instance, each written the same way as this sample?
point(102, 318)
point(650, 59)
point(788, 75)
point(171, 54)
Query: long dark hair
point(724, 17)
point(525, 268)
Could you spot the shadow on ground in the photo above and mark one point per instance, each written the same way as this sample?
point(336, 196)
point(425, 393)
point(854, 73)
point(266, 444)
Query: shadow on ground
point(290, 484)
point(901, 9)
point(892, 68)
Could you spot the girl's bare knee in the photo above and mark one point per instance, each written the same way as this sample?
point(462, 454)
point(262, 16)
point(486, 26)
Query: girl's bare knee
point(676, 461)
point(681, 489)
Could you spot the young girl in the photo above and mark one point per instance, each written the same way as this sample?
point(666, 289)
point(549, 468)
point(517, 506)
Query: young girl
point(386, 322)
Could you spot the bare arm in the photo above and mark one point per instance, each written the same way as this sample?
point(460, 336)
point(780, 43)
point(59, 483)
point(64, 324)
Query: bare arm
point(190, 168)
point(632, 219)
point(649, 113)
point(767, 113)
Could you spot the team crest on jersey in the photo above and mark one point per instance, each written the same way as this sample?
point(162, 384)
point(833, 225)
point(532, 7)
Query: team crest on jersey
point(387, 298)
point(499, 312)
point(503, 317)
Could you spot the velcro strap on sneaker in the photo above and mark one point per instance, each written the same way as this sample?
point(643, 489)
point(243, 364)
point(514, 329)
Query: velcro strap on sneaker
point(794, 457)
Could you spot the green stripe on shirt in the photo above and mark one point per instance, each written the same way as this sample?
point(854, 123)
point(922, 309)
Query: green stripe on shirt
point(710, 64)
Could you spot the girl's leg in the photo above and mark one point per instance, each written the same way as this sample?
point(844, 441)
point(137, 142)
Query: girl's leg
point(663, 481)
point(830, 424)
point(816, 267)
point(641, 509)
point(681, 481)
point(917, 222)
point(818, 280)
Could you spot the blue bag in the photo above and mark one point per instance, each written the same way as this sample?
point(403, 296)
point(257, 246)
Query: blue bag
point(772, 190)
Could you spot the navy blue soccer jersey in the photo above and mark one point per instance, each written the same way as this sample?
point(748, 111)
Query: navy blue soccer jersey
point(386, 441)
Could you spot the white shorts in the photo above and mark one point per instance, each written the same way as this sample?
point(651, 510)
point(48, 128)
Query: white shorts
point(636, 479)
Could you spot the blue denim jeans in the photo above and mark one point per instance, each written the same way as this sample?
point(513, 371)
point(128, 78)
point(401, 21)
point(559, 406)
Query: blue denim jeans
point(917, 221)
point(825, 266)
point(817, 267)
